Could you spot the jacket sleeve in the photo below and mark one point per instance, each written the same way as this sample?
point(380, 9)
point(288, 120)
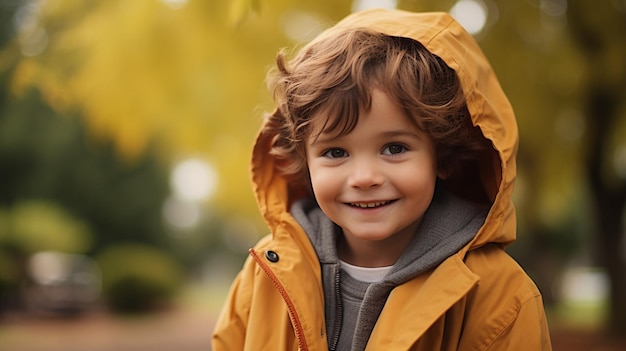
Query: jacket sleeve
point(506, 305)
point(230, 328)
point(529, 330)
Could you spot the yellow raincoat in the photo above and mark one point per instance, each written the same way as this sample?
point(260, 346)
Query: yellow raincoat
point(477, 299)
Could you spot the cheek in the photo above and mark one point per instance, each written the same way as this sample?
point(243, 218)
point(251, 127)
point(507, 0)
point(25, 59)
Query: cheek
point(323, 182)
point(318, 180)
point(421, 178)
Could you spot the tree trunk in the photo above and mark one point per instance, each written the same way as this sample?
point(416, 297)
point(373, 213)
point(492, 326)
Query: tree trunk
point(609, 202)
point(603, 94)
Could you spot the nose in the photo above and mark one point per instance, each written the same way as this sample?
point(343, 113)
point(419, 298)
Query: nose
point(365, 174)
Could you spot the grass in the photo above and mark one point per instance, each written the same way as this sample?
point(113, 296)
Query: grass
point(588, 315)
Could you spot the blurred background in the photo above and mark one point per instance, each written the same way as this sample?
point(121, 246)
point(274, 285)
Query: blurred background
point(125, 133)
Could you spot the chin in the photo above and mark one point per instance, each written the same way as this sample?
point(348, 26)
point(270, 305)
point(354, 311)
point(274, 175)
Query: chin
point(370, 236)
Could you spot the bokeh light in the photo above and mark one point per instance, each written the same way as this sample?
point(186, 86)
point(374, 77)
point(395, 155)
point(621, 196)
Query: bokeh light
point(360, 5)
point(194, 180)
point(471, 14)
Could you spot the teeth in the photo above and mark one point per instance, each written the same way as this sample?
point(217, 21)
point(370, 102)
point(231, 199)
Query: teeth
point(369, 204)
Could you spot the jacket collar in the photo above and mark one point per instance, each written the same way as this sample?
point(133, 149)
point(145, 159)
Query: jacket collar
point(432, 294)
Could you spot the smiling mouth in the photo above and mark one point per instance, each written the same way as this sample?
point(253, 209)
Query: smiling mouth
point(374, 204)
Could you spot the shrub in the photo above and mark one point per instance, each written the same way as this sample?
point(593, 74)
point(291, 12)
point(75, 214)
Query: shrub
point(137, 277)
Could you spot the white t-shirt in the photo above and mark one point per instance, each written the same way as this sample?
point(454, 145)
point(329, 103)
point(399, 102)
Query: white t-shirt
point(365, 274)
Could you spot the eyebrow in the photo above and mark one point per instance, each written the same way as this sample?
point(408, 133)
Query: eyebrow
point(398, 133)
point(321, 139)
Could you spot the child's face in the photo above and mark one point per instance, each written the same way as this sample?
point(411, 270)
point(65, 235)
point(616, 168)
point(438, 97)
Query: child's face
point(377, 181)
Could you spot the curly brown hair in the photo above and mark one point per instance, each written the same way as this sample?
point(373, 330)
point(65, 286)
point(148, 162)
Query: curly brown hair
point(333, 78)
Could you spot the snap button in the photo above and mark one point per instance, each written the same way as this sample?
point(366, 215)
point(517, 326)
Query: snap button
point(271, 256)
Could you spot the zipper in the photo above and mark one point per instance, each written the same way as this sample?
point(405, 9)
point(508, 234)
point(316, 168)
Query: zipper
point(335, 340)
point(302, 345)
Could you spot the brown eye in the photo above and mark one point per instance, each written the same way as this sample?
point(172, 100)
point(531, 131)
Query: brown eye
point(393, 149)
point(335, 153)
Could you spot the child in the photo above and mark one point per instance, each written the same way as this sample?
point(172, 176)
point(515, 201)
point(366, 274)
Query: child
point(385, 175)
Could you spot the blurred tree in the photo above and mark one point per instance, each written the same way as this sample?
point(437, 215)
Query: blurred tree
point(598, 29)
point(149, 282)
point(7, 31)
point(8, 8)
point(142, 70)
point(33, 226)
point(46, 156)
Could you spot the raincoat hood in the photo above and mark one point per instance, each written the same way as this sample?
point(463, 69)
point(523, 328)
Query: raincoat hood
point(489, 108)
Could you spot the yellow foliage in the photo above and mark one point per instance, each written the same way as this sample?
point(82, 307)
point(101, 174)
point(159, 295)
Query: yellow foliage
point(144, 71)
point(239, 10)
